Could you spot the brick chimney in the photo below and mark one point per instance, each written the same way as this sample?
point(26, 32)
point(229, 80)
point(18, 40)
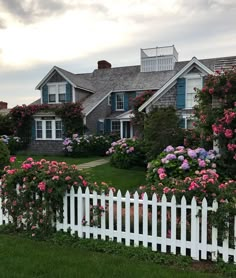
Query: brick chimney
point(103, 64)
point(3, 105)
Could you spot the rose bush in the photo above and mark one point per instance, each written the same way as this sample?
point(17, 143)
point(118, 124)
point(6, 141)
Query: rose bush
point(33, 194)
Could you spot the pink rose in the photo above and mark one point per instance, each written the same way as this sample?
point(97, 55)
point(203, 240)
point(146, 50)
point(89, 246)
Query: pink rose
point(12, 159)
point(42, 186)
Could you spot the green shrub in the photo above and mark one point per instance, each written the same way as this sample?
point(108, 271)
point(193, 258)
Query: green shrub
point(4, 155)
point(126, 153)
point(161, 129)
point(13, 143)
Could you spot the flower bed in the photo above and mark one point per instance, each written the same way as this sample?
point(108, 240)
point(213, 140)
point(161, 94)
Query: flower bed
point(86, 145)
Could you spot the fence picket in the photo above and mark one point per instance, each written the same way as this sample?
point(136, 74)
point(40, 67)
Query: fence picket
point(154, 222)
point(80, 212)
point(173, 225)
point(111, 215)
point(194, 230)
point(119, 216)
point(127, 218)
point(145, 220)
point(204, 230)
point(95, 218)
point(87, 213)
point(103, 217)
point(183, 226)
point(214, 236)
point(136, 219)
point(65, 214)
point(72, 210)
point(163, 223)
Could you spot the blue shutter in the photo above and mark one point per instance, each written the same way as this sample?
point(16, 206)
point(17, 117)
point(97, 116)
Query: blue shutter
point(126, 101)
point(45, 94)
point(180, 98)
point(107, 125)
point(33, 130)
point(68, 92)
point(182, 123)
point(132, 96)
point(113, 102)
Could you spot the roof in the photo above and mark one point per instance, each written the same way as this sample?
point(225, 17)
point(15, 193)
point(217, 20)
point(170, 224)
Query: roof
point(101, 82)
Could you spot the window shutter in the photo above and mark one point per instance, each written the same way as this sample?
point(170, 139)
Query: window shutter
point(33, 131)
point(45, 94)
point(113, 102)
point(68, 92)
point(107, 126)
point(180, 98)
point(126, 101)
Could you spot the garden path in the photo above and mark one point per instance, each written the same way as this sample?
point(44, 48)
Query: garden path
point(93, 163)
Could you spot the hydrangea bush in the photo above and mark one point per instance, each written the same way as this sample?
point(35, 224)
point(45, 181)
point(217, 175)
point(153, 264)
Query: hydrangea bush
point(33, 193)
point(179, 162)
point(86, 145)
point(126, 153)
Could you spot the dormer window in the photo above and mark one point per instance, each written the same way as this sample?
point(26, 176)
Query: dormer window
point(56, 92)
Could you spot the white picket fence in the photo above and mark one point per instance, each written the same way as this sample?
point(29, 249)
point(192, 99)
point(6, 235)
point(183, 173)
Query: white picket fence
point(161, 225)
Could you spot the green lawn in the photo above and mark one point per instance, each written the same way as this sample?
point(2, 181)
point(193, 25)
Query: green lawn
point(23, 258)
point(119, 178)
point(70, 160)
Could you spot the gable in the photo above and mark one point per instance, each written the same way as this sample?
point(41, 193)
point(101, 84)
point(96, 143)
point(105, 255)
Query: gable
point(56, 77)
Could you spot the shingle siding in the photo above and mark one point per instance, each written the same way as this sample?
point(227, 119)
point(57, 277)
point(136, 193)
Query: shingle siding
point(102, 111)
point(168, 99)
point(81, 95)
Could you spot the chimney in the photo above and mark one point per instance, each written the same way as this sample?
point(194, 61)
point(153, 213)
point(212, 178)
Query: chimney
point(103, 64)
point(3, 105)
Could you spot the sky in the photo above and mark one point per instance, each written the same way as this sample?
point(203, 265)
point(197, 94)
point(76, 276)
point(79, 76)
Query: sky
point(36, 35)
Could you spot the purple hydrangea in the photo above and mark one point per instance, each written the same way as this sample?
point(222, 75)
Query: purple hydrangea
point(169, 149)
point(170, 156)
point(192, 153)
point(185, 165)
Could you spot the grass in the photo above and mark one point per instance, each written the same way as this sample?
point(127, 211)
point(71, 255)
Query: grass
point(119, 178)
point(70, 160)
point(25, 258)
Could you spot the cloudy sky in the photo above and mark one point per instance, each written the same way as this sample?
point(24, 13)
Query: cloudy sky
point(35, 35)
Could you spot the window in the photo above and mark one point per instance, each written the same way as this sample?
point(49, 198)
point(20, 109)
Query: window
point(48, 129)
point(192, 83)
point(56, 93)
point(119, 101)
point(115, 126)
point(189, 123)
point(39, 129)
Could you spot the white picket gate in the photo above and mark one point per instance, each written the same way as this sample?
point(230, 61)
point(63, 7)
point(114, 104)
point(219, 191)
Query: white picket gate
point(161, 225)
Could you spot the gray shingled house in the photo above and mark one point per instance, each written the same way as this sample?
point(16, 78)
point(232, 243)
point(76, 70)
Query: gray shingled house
point(106, 93)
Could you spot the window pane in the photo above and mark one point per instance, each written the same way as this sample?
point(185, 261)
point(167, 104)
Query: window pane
point(115, 126)
point(62, 97)
point(39, 132)
point(190, 123)
point(52, 98)
point(58, 134)
point(58, 129)
point(58, 124)
point(48, 129)
point(62, 89)
point(52, 89)
point(190, 96)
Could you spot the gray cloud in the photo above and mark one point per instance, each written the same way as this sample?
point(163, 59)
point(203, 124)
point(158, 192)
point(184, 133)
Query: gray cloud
point(34, 10)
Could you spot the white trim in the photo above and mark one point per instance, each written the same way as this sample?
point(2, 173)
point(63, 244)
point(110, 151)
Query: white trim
point(57, 84)
point(173, 80)
point(73, 94)
point(53, 121)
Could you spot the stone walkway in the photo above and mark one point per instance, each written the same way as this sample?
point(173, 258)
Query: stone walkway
point(93, 163)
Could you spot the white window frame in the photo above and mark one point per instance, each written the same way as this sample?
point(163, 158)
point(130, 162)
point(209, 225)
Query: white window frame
point(57, 86)
point(53, 129)
point(188, 77)
point(112, 130)
point(186, 119)
point(123, 101)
